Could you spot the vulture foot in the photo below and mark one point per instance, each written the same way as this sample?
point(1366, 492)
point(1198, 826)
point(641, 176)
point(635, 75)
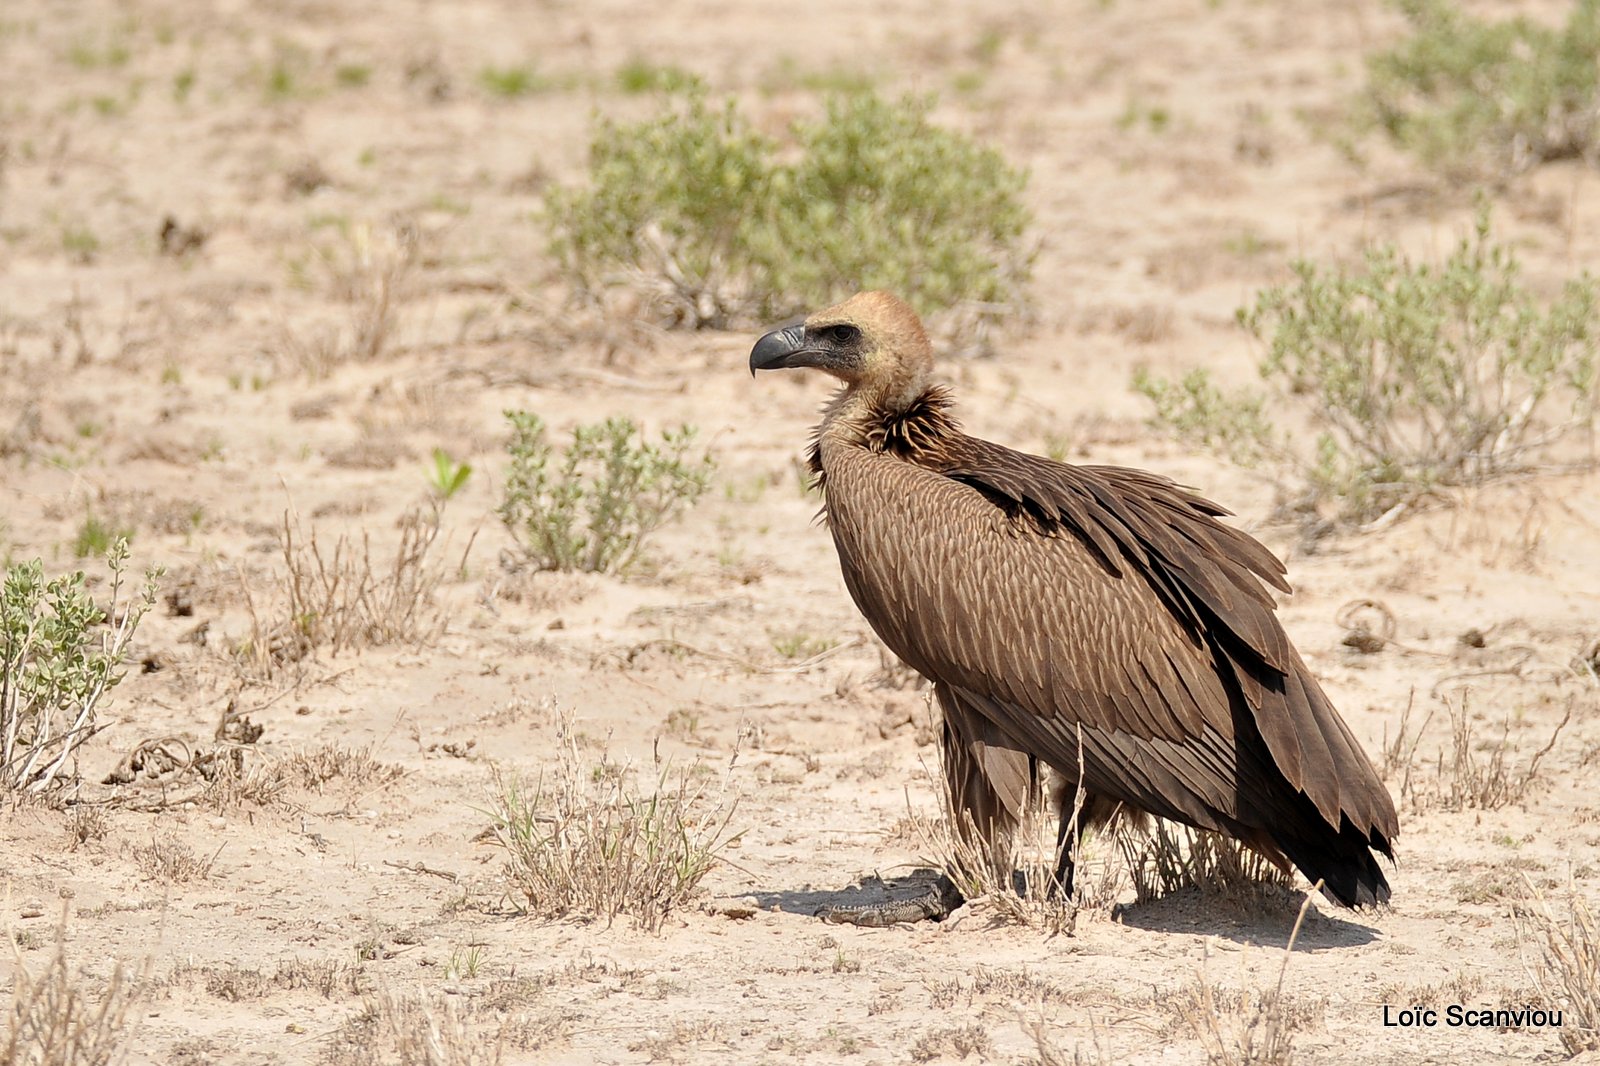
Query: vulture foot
point(937, 899)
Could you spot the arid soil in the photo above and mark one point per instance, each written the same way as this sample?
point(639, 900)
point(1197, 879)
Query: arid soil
point(194, 388)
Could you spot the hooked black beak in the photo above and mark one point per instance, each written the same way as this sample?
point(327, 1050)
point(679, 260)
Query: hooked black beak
point(773, 351)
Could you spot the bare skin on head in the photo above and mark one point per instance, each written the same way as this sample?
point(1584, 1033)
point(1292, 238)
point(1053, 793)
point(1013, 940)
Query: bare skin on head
point(1098, 620)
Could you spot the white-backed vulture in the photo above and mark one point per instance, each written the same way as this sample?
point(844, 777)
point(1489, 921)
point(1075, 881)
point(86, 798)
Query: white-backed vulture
point(1062, 610)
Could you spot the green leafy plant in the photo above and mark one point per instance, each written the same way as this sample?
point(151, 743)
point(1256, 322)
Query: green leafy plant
point(1485, 100)
point(696, 207)
point(512, 82)
point(639, 75)
point(447, 476)
point(59, 654)
point(592, 508)
point(1414, 376)
point(95, 537)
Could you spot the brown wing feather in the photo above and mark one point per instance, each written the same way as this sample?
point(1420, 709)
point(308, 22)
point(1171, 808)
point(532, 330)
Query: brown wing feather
point(1064, 598)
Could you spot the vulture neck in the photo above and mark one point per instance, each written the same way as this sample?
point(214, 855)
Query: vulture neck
point(909, 426)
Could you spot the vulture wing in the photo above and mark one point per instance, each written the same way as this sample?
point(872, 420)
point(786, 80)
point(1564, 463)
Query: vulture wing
point(1105, 611)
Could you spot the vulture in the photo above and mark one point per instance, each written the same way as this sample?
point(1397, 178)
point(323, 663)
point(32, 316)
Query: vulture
point(1097, 620)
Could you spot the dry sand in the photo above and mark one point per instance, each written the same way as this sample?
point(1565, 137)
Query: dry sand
point(192, 399)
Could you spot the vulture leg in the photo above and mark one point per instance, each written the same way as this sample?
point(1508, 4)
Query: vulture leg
point(989, 781)
point(989, 778)
point(1067, 838)
point(1077, 816)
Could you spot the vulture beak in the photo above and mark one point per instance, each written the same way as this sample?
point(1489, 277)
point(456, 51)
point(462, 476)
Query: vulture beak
point(779, 349)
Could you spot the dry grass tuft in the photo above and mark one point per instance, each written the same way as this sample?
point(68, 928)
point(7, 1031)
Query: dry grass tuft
point(368, 270)
point(1016, 885)
point(989, 983)
point(354, 766)
point(86, 822)
point(437, 1030)
point(166, 858)
point(1471, 771)
point(62, 1017)
point(1249, 1026)
point(683, 1036)
point(1172, 857)
point(953, 1041)
point(345, 599)
point(330, 978)
point(583, 843)
point(1566, 970)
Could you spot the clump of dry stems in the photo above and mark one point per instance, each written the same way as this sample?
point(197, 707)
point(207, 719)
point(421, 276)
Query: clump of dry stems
point(60, 1016)
point(1171, 857)
point(421, 1029)
point(1566, 963)
point(1015, 878)
point(344, 597)
point(582, 842)
point(1470, 772)
point(1249, 1026)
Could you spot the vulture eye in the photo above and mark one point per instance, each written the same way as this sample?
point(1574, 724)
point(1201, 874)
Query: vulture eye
point(843, 334)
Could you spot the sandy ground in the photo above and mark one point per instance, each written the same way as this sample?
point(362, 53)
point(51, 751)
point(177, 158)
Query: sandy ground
point(195, 398)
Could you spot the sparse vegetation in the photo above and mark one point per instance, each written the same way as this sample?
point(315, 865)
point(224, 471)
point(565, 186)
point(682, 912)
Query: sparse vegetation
point(1172, 857)
point(1015, 881)
point(642, 76)
point(95, 537)
point(345, 598)
point(166, 858)
point(61, 1016)
point(1250, 1027)
point(611, 490)
point(329, 978)
point(1471, 772)
point(1415, 377)
point(365, 267)
point(800, 645)
point(583, 843)
point(1484, 100)
point(694, 207)
point(418, 1029)
point(446, 476)
point(958, 1041)
point(59, 656)
point(464, 963)
point(1566, 968)
point(512, 81)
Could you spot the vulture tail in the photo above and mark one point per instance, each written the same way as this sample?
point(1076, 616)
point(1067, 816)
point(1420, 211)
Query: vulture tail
point(1344, 862)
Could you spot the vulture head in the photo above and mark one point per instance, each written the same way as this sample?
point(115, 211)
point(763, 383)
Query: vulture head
point(873, 342)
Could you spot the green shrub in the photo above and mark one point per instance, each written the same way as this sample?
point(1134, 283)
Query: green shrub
point(95, 537)
point(593, 508)
point(639, 75)
point(696, 207)
point(1485, 100)
point(56, 663)
point(1414, 376)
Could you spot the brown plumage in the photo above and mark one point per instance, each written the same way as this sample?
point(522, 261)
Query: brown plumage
point(1062, 609)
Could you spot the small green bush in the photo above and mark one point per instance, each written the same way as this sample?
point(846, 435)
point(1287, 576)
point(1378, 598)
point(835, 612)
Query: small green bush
point(593, 508)
point(56, 663)
point(1414, 376)
point(697, 207)
point(1486, 100)
point(639, 75)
